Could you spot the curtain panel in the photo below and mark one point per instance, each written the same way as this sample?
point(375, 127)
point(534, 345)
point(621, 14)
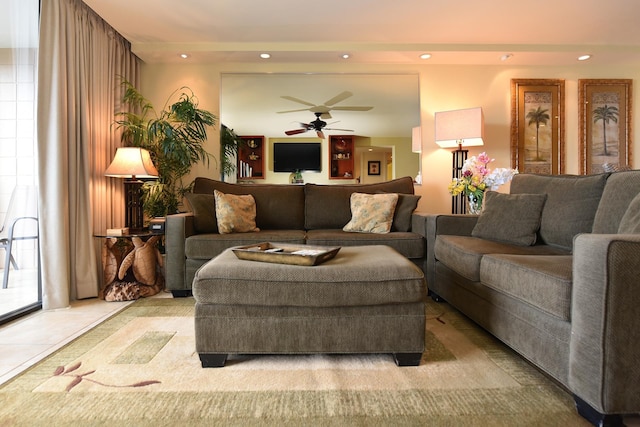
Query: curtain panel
point(80, 66)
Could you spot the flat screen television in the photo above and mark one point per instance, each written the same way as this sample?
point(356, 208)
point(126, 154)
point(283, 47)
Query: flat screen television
point(297, 156)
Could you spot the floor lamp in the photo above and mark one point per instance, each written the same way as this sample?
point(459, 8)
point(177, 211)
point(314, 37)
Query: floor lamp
point(458, 129)
point(132, 163)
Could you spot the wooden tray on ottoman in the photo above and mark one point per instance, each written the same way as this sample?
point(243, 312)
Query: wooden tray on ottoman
point(282, 253)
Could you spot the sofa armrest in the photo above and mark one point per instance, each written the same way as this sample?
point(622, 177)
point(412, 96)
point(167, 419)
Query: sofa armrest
point(605, 322)
point(435, 224)
point(177, 228)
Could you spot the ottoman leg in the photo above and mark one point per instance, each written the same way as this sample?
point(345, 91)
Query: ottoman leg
point(407, 359)
point(212, 360)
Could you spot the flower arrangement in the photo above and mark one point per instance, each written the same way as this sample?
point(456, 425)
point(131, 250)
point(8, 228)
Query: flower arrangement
point(477, 178)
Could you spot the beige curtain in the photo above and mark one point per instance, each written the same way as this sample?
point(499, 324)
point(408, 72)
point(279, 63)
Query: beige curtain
point(81, 60)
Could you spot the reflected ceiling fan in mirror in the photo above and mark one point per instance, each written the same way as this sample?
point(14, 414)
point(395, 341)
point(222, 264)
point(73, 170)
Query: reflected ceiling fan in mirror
point(318, 125)
point(322, 111)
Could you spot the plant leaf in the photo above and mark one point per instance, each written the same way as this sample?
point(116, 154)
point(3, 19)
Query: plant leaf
point(73, 367)
point(145, 383)
point(75, 382)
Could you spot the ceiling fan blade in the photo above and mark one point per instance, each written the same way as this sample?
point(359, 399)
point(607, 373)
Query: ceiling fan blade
point(352, 108)
point(339, 98)
point(293, 111)
point(300, 101)
point(346, 130)
point(295, 131)
point(320, 134)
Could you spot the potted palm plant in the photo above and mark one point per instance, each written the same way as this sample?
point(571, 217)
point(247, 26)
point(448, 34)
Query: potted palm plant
point(175, 139)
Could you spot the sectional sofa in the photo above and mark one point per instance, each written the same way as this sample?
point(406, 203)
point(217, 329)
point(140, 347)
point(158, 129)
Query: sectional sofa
point(301, 214)
point(553, 270)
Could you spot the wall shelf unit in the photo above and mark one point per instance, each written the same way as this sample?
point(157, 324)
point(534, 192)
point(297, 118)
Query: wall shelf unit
point(251, 158)
point(341, 156)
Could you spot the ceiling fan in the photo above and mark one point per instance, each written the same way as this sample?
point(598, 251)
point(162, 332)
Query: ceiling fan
point(317, 125)
point(324, 109)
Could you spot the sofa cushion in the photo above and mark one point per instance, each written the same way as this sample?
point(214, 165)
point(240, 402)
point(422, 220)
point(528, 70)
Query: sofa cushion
point(522, 213)
point(278, 206)
point(371, 213)
point(620, 189)
point(571, 203)
point(235, 213)
point(541, 281)
point(329, 206)
point(463, 254)
point(411, 245)
point(203, 207)
point(407, 204)
point(630, 223)
point(207, 246)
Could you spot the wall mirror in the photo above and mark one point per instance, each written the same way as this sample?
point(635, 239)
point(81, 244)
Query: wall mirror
point(272, 104)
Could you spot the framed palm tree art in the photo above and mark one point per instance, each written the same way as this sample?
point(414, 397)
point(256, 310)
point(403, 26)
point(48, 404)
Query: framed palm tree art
point(537, 126)
point(605, 123)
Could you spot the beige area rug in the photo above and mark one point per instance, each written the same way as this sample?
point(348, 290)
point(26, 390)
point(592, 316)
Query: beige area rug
point(139, 368)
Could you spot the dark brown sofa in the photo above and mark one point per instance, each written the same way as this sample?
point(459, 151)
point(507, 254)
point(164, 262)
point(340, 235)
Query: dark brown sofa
point(310, 213)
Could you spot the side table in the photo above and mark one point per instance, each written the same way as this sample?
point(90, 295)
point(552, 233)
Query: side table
point(131, 265)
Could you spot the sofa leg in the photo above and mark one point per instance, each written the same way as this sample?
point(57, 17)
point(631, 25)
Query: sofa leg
point(435, 297)
point(596, 418)
point(210, 360)
point(181, 293)
point(407, 359)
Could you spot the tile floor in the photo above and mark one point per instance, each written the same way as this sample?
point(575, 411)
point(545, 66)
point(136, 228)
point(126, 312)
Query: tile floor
point(29, 339)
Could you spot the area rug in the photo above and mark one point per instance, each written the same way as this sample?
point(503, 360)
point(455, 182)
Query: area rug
point(140, 368)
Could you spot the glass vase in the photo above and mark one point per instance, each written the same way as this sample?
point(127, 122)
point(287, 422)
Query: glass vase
point(475, 204)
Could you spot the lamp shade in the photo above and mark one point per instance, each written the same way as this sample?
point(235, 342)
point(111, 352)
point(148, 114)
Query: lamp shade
point(132, 162)
point(459, 127)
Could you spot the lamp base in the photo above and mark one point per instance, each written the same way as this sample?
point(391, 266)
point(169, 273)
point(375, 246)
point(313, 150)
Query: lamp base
point(134, 216)
point(458, 203)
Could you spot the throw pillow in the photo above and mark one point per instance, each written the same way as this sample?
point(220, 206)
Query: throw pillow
point(203, 207)
point(235, 213)
point(407, 203)
point(371, 213)
point(510, 218)
point(630, 222)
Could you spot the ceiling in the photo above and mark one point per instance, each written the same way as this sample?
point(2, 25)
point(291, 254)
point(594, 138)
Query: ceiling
point(453, 31)
point(547, 32)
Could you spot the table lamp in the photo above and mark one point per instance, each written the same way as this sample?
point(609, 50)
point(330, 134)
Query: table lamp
point(458, 129)
point(132, 163)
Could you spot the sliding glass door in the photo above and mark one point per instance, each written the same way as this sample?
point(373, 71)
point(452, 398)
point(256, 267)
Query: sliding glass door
point(20, 291)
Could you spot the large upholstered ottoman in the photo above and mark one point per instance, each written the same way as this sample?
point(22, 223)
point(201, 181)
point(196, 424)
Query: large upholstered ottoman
point(367, 299)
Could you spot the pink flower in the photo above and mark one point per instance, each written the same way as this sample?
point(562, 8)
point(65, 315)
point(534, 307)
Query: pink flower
point(483, 158)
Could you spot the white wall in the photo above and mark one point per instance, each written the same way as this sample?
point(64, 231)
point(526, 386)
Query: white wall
point(441, 88)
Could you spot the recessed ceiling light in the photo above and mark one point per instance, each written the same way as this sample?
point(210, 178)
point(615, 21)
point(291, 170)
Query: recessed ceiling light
point(345, 56)
point(506, 56)
point(584, 57)
point(425, 56)
point(184, 55)
point(265, 55)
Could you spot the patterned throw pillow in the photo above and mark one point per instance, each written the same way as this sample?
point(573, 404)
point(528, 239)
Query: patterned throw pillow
point(371, 213)
point(235, 213)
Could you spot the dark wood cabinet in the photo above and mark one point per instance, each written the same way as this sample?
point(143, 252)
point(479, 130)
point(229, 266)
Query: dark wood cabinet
point(341, 156)
point(251, 158)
